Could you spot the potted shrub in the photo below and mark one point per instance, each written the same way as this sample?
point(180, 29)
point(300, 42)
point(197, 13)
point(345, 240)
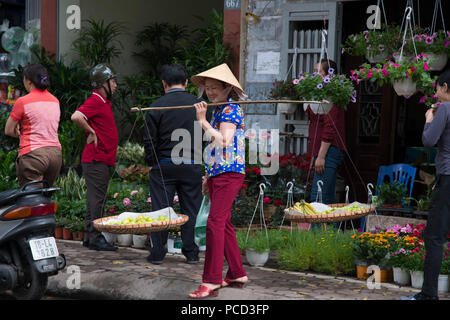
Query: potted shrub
point(257, 248)
point(391, 194)
point(435, 46)
point(284, 90)
point(374, 249)
point(415, 263)
point(59, 227)
point(335, 88)
point(375, 45)
point(443, 284)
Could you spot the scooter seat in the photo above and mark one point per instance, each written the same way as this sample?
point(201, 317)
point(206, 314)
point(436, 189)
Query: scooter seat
point(9, 196)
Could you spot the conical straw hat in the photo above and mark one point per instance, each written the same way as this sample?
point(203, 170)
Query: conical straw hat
point(221, 73)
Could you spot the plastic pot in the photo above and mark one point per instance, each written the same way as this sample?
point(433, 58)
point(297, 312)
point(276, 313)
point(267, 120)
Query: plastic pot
point(401, 276)
point(257, 259)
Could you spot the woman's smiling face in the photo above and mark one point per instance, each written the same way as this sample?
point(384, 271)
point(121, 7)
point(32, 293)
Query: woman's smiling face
point(215, 90)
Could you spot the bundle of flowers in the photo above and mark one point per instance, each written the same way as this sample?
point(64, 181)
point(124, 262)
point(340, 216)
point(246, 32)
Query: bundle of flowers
point(337, 88)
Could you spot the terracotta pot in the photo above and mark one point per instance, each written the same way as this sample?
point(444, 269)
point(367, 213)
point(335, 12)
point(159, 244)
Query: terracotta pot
point(269, 209)
point(386, 275)
point(59, 233)
point(361, 272)
point(67, 234)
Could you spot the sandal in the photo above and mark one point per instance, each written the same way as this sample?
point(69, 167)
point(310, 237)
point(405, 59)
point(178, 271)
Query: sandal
point(233, 283)
point(199, 294)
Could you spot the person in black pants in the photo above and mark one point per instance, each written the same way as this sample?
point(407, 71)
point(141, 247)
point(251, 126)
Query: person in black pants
point(437, 131)
point(173, 148)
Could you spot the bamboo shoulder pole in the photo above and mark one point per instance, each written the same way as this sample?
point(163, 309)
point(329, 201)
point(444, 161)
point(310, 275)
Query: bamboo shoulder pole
point(233, 102)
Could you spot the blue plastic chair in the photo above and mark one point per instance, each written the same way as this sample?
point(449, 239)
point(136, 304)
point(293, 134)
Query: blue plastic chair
point(401, 172)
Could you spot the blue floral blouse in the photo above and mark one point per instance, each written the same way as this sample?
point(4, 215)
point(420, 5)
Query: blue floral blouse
point(232, 157)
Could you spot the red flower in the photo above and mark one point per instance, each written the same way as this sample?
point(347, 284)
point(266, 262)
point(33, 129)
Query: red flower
point(278, 203)
point(267, 200)
point(244, 186)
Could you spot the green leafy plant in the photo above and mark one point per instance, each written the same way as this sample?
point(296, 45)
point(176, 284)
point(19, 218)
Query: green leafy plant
point(258, 241)
point(391, 192)
point(98, 42)
point(131, 154)
point(374, 248)
point(337, 88)
point(8, 177)
point(72, 187)
point(72, 139)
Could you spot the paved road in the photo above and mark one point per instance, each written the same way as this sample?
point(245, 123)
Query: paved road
point(126, 275)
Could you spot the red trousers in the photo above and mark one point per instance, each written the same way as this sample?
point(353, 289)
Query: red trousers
point(220, 236)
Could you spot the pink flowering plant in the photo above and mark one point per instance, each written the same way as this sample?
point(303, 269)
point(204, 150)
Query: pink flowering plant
point(371, 42)
point(438, 42)
point(337, 88)
point(388, 72)
point(126, 200)
point(282, 89)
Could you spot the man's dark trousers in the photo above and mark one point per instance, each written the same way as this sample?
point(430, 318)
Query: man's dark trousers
point(435, 234)
point(97, 177)
point(186, 180)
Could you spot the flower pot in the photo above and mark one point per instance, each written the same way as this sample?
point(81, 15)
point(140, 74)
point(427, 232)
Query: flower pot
point(75, 236)
point(111, 238)
point(67, 234)
point(402, 277)
point(405, 87)
point(443, 284)
point(139, 241)
point(386, 275)
point(287, 108)
point(361, 272)
point(417, 279)
point(375, 58)
point(257, 259)
point(439, 62)
point(397, 57)
point(174, 245)
point(124, 240)
point(269, 209)
point(323, 108)
point(59, 233)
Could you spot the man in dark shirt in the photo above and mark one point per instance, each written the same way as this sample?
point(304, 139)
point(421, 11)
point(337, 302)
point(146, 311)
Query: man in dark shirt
point(176, 165)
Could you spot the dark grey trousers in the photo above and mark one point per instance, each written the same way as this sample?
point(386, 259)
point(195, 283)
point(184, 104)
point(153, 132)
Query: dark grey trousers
point(97, 177)
point(435, 234)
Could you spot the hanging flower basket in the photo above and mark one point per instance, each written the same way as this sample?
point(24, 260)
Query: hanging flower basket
point(373, 57)
point(439, 60)
point(287, 108)
point(323, 108)
point(405, 88)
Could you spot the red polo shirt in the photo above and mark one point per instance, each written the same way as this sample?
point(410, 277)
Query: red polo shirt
point(98, 113)
point(328, 128)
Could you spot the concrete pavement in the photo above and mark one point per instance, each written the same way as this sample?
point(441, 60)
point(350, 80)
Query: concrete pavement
point(126, 275)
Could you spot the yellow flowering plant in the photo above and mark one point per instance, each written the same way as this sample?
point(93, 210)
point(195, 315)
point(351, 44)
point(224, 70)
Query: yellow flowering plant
point(373, 248)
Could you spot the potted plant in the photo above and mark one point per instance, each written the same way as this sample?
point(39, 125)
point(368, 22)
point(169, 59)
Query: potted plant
point(284, 90)
point(335, 88)
point(405, 75)
point(415, 263)
point(391, 194)
point(77, 228)
point(435, 46)
point(67, 232)
point(375, 45)
point(443, 284)
point(373, 249)
point(399, 259)
point(59, 227)
point(257, 248)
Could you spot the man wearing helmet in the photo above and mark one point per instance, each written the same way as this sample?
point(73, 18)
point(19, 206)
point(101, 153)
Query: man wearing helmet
point(96, 118)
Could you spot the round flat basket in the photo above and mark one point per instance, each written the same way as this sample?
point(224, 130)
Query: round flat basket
point(295, 216)
point(103, 226)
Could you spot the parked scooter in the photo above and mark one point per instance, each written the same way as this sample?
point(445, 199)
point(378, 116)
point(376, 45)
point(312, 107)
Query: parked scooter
point(28, 251)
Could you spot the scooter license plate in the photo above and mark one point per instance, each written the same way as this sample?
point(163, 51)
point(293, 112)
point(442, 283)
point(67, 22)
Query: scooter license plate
point(44, 248)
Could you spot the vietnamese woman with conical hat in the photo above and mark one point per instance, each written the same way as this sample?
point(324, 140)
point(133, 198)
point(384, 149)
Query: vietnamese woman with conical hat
point(225, 172)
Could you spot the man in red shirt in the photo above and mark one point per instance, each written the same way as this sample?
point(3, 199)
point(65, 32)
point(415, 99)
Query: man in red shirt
point(96, 118)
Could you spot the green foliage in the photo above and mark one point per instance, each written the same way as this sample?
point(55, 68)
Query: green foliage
point(131, 153)
point(282, 89)
point(98, 42)
point(391, 192)
point(73, 187)
point(257, 240)
point(7, 143)
point(161, 43)
point(72, 139)
point(337, 88)
point(8, 177)
point(328, 252)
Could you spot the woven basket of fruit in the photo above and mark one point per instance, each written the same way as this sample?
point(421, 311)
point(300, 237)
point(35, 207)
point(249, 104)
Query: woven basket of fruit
point(141, 223)
point(320, 213)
